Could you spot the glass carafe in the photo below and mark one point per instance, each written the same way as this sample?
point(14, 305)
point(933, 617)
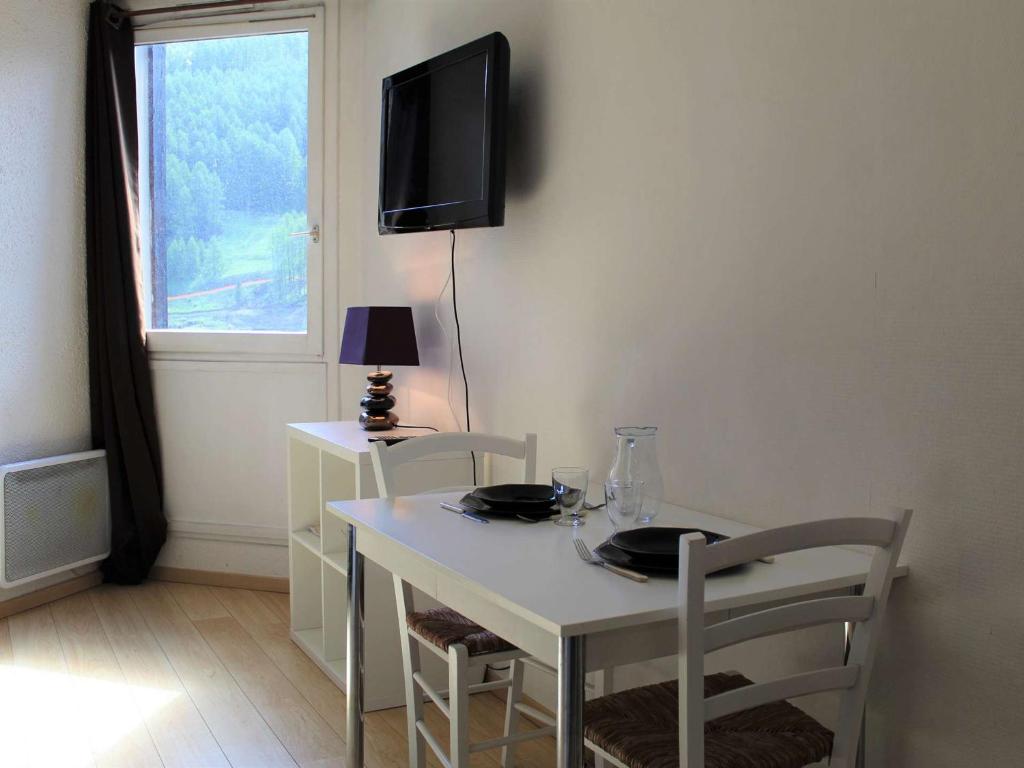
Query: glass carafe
point(637, 460)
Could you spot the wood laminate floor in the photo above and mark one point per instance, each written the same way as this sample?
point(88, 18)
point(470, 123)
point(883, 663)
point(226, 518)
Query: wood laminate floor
point(187, 676)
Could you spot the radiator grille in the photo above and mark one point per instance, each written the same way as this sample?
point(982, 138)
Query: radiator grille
point(54, 517)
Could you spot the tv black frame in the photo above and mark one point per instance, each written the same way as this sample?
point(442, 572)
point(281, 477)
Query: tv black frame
point(490, 210)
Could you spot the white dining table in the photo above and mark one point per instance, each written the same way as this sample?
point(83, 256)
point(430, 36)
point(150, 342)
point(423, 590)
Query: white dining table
point(526, 583)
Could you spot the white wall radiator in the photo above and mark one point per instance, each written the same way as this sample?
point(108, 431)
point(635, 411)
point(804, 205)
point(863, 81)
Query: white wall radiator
point(54, 515)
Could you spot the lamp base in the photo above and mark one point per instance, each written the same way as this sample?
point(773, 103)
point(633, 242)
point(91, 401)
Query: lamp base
point(377, 422)
point(377, 403)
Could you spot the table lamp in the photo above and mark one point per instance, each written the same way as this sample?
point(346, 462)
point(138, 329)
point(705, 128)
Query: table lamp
point(378, 336)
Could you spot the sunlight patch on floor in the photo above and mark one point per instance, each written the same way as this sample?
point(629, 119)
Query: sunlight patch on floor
point(68, 717)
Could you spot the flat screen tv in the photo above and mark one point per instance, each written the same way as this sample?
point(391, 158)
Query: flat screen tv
point(442, 141)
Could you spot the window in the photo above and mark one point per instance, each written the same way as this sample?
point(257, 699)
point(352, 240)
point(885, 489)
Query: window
point(227, 185)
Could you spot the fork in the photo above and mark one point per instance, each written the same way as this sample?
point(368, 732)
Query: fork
point(588, 557)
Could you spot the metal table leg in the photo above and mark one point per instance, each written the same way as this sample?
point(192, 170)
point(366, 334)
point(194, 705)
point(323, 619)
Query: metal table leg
point(571, 682)
point(354, 655)
point(847, 644)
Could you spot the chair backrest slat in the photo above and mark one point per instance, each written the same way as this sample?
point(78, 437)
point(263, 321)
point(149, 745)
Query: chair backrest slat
point(697, 559)
point(830, 679)
point(785, 618)
point(387, 458)
point(842, 531)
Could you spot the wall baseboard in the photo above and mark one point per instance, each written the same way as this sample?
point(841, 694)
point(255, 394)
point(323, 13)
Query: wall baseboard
point(219, 579)
point(49, 594)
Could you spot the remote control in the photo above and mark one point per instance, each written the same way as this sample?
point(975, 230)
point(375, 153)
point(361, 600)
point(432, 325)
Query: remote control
point(388, 440)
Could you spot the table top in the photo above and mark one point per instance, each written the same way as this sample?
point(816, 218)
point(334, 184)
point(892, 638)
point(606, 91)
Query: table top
point(532, 570)
point(346, 439)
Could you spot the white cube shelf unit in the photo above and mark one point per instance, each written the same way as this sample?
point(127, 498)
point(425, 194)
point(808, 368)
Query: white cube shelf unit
point(329, 461)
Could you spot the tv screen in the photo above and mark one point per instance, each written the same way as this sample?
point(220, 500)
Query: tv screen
point(442, 162)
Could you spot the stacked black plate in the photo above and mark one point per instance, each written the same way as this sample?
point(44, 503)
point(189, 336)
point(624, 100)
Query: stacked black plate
point(513, 500)
point(652, 549)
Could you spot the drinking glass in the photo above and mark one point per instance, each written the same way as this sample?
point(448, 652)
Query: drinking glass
point(622, 501)
point(570, 486)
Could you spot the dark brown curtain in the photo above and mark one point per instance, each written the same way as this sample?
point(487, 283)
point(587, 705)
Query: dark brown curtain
point(121, 392)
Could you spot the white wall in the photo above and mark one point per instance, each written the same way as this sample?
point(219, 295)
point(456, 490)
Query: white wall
point(44, 378)
point(789, 234)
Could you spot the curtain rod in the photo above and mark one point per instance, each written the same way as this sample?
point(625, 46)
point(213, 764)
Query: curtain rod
point(191, 7)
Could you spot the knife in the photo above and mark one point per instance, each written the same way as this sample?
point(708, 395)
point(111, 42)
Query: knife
point(464, 512)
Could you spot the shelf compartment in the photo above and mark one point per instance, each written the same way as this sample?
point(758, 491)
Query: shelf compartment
point(306, 569)
point(312, 642)
point(335, 542)
point(335, 607)
point(303, 484)
point(338, 561)
point(308, 540)
point(337, 478)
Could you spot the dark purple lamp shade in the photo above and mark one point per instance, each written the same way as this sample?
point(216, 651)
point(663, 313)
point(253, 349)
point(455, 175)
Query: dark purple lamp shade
point(379, 336)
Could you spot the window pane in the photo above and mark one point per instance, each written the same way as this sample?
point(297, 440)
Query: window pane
point(223, 127)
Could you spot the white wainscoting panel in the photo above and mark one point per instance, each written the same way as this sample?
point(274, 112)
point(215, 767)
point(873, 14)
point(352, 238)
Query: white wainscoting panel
point(222, 432)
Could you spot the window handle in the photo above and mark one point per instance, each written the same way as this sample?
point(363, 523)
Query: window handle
point(313, 233)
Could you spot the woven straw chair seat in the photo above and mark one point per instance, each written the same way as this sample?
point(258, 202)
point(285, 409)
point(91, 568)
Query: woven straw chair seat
point(640, 728)
point(444, 627)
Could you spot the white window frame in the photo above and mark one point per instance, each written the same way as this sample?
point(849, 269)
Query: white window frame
point(278, 344)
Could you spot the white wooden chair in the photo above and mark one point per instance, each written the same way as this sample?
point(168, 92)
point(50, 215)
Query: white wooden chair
point(453, 637)
point(725, 719)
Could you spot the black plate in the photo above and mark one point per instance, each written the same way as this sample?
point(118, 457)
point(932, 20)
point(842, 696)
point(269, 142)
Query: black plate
point(655, 566)
point(612, 554)
point(478, 505)
point(517, 497)
point(658, 542)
